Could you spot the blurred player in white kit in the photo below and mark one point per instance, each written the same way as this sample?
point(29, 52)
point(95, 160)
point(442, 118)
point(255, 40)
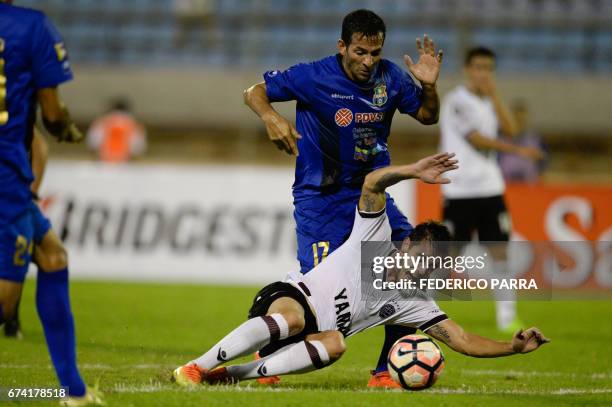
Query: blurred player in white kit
point(472, 117)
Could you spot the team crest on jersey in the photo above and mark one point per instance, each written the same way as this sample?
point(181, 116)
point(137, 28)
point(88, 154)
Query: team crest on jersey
point(343, 117)
point(60, 51)
point(386, 311)
point(380, 95)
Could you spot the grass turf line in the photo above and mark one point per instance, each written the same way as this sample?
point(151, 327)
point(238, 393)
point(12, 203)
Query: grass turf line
point(130, 336)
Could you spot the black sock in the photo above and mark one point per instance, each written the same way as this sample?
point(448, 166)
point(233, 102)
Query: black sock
point(392, 334)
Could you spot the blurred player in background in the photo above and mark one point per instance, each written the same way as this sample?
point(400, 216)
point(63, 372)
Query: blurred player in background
point(117, 136)
point(345, 105)
point(471, 119)
point(298, 317)
point(33, 62)
point(515, 167)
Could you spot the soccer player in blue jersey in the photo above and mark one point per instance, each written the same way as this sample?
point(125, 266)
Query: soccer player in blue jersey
point(345, 105)
point(33, 62)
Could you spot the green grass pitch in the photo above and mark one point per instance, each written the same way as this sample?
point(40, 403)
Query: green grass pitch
point(130, 337)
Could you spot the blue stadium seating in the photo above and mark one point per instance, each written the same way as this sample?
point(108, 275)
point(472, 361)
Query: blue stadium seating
point(572, 36)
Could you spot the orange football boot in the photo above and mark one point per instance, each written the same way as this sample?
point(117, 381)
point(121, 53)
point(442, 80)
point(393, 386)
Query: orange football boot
point(383, 380)
point(188, 375)
point(219, 376)
point(268, 381)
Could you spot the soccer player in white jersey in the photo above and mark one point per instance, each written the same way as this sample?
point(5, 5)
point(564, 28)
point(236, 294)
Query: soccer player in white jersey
point(307, 316)
point(471, 119)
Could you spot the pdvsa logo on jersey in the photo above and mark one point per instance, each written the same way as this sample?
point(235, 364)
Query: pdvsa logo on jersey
point(343, 117)
point(370, 117)
point(380, 95)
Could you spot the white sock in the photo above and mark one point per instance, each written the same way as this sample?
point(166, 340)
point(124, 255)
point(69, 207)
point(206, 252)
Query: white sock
point(247, 338)
point(505, 313)
point(505, 300)
point(301, 357)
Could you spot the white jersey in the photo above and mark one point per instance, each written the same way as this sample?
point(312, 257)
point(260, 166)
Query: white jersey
point(479, 175)
point(340, 302)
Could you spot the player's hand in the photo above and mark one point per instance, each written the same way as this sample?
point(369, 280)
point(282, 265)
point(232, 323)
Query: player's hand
point(282, 133)
point(488, 86)
point(430, 169)
point(427, 68)
point(72, 134)
point(528, 340)
point(531, 153)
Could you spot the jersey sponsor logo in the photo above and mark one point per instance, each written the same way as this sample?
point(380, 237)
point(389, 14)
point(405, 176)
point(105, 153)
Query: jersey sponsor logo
point(60, 51)
point(343, 117)
point(386, 311)
point(371, 117)
point(339, 96)
point(343, 313)
point(380, 95)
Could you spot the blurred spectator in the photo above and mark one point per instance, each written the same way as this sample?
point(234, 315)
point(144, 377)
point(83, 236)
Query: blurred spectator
point(516, 168)
point(117, 136)
point(193, 16)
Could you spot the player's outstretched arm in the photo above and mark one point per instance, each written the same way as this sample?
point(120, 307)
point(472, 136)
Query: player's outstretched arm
point(280, 131)
point(477, 346)
point(482, 142)
point(56, 117)
point(428, 170)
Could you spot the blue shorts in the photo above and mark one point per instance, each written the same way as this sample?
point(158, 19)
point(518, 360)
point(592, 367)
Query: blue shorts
point(41, 224)
point(324, 222)
point(16, 245)
point(17, 240)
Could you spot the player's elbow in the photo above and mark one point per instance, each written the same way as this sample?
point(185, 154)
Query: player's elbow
point(249, 93)
point(246, 96)
point(429, 118)
point(369, 183)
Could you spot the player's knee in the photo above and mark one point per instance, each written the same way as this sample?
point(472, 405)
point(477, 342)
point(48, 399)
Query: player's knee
point(56, 260)
point(295, 322)
point(335, 345)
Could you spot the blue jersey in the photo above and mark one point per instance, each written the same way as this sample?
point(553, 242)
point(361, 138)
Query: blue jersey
point(344, 127)
point(344, 124)
point(32, 57)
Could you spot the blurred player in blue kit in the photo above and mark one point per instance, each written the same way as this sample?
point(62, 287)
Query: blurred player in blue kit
point(345, 105)
point(33, 62)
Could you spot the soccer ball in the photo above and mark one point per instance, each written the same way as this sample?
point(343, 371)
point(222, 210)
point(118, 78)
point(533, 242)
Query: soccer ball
point(415, 362)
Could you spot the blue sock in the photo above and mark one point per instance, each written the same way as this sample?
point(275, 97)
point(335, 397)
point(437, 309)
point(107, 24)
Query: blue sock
point(392, 334)
point(53, 305)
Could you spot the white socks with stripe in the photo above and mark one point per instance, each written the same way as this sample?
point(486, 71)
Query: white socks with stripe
point(247, 338)
point(300, 357)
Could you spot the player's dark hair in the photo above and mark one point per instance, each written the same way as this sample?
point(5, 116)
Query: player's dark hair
point(121, 104)
point(479, 52)
point(362, 21)
point(431, 231)
point(434, 232)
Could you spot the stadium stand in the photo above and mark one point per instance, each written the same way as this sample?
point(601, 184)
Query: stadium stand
point(574, 35)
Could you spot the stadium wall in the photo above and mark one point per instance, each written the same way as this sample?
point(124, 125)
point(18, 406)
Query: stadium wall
point(234, 224)
point(196, 98)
